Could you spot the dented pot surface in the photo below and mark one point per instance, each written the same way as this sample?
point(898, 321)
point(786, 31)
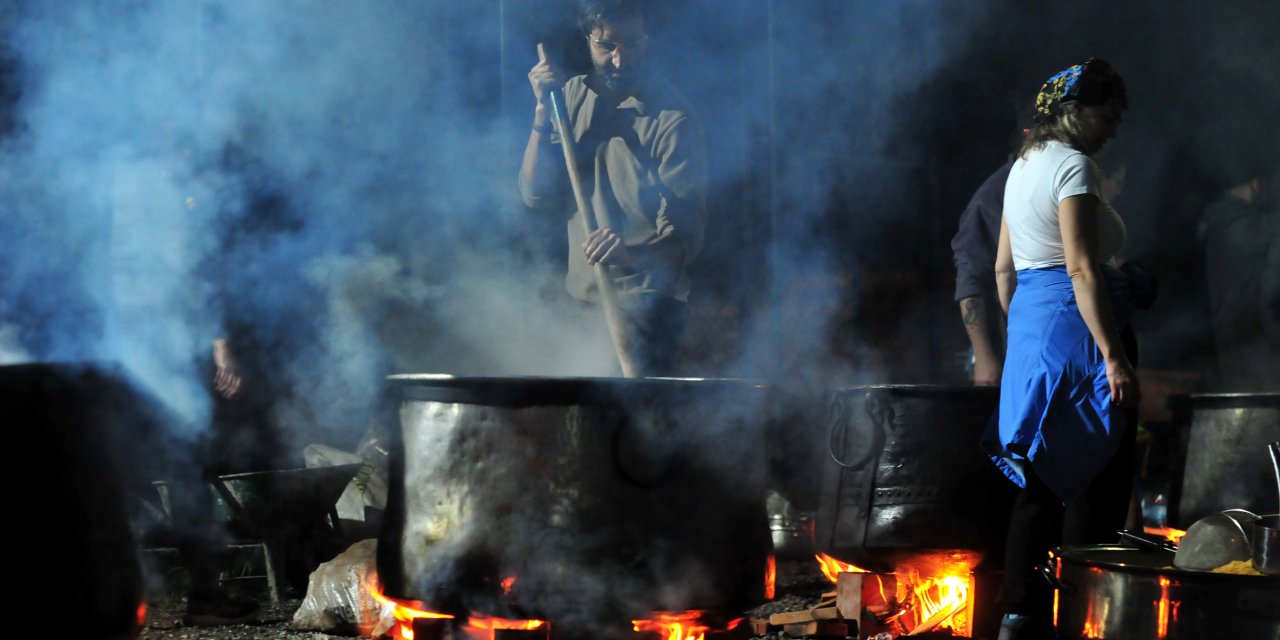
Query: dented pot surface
point(600, 497)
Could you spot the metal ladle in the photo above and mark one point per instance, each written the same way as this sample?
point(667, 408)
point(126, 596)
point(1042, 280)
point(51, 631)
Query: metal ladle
point(1266, 531)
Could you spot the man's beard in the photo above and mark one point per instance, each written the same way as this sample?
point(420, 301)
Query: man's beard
point(615, 80)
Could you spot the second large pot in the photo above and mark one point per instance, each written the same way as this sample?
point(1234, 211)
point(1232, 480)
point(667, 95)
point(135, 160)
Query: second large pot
point(905, 474)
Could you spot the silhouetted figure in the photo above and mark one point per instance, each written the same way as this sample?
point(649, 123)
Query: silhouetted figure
point(1239, 234)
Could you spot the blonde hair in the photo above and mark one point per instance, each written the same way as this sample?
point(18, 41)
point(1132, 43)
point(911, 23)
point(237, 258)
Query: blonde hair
point(1066, 128)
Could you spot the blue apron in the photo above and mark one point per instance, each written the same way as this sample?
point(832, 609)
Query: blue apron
point(1055, 404)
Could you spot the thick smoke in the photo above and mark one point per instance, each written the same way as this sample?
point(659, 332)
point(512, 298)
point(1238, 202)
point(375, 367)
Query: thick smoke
point(326, 177)
point(336, 181)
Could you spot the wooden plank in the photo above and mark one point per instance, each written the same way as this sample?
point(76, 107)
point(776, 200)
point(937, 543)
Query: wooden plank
point(849, 595)
point(790, 617)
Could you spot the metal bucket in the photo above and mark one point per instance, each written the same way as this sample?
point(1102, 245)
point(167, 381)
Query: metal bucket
point(576, 499)
point(1120, 592)
point(906, 474)
point(1227, 464)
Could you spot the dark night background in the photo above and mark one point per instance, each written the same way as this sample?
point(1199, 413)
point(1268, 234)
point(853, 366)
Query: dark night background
point(846, 137)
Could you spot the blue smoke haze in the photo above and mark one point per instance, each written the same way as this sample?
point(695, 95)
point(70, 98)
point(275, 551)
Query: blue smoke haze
point(340, 178)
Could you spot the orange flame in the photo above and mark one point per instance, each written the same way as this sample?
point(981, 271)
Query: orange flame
point(928, 594)
point(1167, 532)
point(684, 625)
point(141, 614)
point(405, 612)
point(832, 567)
point(770, 577)
point(938, 600)
point(508, 583)
point(1162, 609)
point(483, 627)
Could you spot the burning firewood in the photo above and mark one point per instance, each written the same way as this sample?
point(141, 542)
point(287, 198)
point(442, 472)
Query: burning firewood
point(825, 611)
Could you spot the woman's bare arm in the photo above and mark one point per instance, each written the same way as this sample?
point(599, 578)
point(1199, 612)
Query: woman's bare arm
point(1006, 275)
point(1078, 222)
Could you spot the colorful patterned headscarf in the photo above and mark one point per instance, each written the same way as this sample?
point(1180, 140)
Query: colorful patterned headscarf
point(1093, 83)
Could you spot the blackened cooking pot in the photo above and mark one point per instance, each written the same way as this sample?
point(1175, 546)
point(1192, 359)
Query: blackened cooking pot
point(905, 475)
point(87, 560)
point(1120, 592)
point(602, 498)
point(1227, 464)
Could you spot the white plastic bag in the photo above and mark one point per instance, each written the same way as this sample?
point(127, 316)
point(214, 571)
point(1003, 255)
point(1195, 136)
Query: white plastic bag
point(338, 599)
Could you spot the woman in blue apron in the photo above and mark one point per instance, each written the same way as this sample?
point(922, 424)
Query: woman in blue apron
point(1066, 375)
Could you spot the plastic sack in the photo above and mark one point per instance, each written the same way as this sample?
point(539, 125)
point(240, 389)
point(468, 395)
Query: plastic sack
point(369, 486)
point(337, 595)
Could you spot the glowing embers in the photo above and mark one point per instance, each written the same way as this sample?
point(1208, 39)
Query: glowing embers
point(929, 594)
point(682, 625)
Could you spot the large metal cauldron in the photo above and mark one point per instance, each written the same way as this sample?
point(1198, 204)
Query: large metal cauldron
point(906, 475)
point(1119, 592)
point(87, 563)
point(1227, 462)
point(603, 498)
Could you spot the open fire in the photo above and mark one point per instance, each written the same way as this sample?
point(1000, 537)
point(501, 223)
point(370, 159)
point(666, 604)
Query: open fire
point(684, 625)
point(404, 613)
point(930, 594)
point(664, 625)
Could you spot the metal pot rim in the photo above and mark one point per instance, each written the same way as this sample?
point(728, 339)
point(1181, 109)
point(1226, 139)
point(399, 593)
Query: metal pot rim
point(1273, 396)
point(535, 390)
point(1094, 556)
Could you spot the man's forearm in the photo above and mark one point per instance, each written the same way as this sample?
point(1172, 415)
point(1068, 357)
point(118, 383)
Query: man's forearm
point(974, 313)
point(537, 166)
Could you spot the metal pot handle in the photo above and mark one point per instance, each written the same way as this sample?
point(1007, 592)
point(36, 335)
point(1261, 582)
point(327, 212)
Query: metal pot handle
point(1054, 581)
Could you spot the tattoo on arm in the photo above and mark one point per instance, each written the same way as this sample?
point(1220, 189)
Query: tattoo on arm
point(970, 308)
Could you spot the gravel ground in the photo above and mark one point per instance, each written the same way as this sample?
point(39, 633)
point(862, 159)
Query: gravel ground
point(164, 622)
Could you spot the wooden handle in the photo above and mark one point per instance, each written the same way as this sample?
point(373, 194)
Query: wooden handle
point(608, 295)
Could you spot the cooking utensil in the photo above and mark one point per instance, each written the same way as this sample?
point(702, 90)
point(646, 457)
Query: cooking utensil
point(608, 296)
point(1148, 541)
point(1118, 592)
point(1216, 540)
point(1266, 531)
point(1266, 545)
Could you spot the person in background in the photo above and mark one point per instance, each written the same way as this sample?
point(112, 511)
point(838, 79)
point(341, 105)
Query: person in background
point(1062, 432)
point(1238, 233)
point(643, 155)
point(974, 252)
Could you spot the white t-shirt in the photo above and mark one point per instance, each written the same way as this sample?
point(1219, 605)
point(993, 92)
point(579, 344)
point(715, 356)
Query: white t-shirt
point(1036, 185)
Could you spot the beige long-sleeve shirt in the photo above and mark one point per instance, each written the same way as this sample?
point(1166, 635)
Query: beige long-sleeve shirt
point(643, 166)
